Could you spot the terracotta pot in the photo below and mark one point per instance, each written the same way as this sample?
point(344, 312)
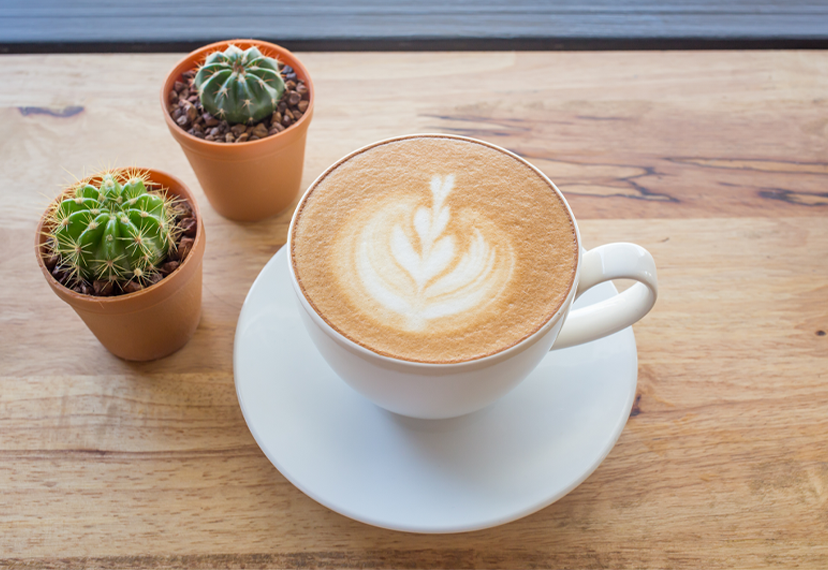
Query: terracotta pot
point(251, 180)
point(150, 323)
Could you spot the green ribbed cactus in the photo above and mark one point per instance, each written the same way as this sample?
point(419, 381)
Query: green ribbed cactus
point(239, 86)
point(109, 227)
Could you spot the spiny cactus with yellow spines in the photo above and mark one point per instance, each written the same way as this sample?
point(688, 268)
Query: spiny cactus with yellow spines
point(239, 86)
point(109, 227)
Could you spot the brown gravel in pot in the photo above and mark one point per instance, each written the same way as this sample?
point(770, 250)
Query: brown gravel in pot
point(185, 238)
point(186, 110)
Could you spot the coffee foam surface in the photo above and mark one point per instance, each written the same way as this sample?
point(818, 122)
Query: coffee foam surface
point(434, 249)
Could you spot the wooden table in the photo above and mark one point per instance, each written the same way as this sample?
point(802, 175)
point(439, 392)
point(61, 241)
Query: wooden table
point(717, 162)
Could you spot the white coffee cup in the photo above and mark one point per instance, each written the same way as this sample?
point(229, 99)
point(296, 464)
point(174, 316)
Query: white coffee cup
point(433, 391)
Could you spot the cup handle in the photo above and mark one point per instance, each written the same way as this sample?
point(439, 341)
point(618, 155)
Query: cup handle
point(611, 261)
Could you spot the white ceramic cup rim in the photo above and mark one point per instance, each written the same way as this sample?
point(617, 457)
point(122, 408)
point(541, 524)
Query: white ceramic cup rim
point(506, 353)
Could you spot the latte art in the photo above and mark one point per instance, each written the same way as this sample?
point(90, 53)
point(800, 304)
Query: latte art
point(409, 261)
point(433, 248)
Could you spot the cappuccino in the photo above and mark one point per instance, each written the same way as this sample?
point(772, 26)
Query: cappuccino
point(433, 248)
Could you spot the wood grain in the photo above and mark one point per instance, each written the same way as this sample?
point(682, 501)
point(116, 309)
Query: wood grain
point(716, 162)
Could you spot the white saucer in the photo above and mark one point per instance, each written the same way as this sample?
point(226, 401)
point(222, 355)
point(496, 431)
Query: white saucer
point(431, 476)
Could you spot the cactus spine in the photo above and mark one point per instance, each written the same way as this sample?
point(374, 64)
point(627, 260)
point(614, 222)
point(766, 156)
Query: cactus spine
point(109, 227)
point(239, 86)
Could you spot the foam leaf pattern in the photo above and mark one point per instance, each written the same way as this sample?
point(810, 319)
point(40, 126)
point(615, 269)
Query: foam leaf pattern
point(413, 262)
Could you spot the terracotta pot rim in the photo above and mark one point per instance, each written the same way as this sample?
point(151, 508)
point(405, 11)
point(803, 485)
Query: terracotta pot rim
point(178, 69)
point(114, 301)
